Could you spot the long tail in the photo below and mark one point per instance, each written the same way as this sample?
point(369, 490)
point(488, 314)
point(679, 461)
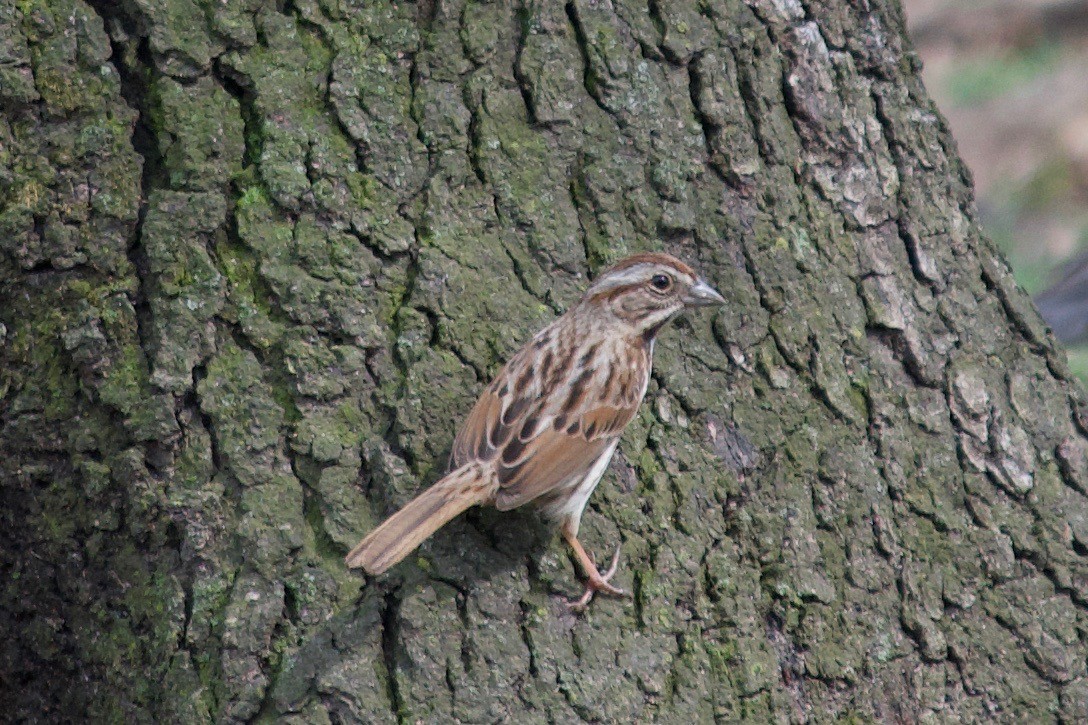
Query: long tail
point(401, 533)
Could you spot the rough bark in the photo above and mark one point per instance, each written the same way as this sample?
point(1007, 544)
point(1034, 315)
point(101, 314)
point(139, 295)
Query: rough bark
point(258, 257)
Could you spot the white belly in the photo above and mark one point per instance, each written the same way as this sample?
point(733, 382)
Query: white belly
point(570, 508)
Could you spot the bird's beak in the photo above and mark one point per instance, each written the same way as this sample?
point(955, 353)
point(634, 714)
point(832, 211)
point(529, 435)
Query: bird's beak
point(702, 295)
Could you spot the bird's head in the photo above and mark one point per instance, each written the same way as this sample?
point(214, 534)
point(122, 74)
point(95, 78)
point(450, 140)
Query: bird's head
point(645, 291)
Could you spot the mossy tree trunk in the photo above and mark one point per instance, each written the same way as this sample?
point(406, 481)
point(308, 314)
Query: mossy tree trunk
point(258, 258)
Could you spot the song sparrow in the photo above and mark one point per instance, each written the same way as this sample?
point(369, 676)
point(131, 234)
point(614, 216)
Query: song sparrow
point(545, 429)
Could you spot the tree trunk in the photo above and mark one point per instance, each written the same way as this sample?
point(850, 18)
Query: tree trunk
point(259, 258)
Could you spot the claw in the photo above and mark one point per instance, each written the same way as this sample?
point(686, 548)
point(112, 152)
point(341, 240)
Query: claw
point(597, 582)
point(612, 567)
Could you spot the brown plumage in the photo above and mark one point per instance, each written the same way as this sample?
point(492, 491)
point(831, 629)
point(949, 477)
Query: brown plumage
point(545, 429)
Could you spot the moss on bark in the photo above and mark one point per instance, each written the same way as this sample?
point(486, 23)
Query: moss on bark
point(256, 259)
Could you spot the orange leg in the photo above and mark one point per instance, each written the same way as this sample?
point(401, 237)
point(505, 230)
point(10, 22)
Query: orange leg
point(595, 581)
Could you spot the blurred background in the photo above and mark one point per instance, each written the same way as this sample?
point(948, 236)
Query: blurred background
point(1011, 76)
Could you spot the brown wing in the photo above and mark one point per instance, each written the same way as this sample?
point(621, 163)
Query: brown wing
point(552, 411)
point(555, 457)
point(500, 409)
point(472, 442)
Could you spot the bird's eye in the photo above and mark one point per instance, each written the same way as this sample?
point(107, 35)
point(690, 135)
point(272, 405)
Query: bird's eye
point(661, 282)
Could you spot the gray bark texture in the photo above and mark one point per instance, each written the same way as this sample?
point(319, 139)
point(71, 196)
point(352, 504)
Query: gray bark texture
point(258, 258)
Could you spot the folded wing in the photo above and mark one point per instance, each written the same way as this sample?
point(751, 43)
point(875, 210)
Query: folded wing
point(543, 432)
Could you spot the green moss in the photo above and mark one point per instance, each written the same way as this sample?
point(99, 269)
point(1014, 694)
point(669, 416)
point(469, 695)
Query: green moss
point(284, 397)
point(352, 417)
point(67, 91)
point(59, 385)
point(723, 656)
point(859, 398)
point(31, 7)
point(364, 189)
point(200, 131)
point(252, 196)
point(319, 54)
point(600, 251)
point(239, 265)
point(125, 384)
point(210, 597)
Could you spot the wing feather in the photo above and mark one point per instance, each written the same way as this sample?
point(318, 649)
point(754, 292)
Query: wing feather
point(473, 442)
point(554, 458)
point(498, 413)
point(540, 442)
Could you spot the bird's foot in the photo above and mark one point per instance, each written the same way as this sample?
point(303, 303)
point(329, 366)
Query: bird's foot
point(598, 582)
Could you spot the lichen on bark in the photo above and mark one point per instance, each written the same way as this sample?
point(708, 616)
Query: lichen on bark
point(257, 259)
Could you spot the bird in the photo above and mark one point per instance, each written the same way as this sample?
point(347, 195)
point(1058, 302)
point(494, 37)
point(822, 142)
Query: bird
point(545, 429)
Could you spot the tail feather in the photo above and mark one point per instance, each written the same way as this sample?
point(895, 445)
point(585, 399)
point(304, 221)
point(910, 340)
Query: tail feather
point(401, 533)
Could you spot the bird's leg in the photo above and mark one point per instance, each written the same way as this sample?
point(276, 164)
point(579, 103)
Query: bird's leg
point(595, 581)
